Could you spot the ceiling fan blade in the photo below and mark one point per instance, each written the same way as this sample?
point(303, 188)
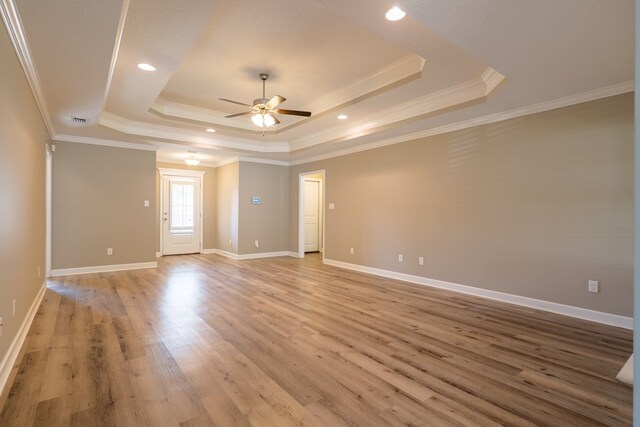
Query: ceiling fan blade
point(293, 112)
point(277, 122)
point(275, 101)
point(234, 102)
point(239, 114)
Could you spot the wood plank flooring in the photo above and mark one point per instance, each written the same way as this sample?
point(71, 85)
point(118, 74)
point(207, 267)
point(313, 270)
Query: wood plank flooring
point(205, 340)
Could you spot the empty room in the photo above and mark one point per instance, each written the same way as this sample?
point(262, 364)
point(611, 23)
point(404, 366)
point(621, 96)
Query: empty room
point(318, 213)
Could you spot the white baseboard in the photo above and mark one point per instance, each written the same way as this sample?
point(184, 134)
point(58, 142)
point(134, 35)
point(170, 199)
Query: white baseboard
point(14, 349)
point(263, 255)
point(567, 310)
point(626, 373)
point(158, 254)
point(238, 257)
point(103, 268)
point(295, 254)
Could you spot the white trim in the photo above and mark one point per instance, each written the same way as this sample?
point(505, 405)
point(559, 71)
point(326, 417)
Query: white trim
point(187, 173)
point(445, 98)
point(301, 178)
point(48, 201)
point(226, 254)
point(249, 256)
point(567, 310)
point(295, 254)
point(406, 67)
point(181, 172)
point(251, 160)
point(567, 101)
point(158, 255)
point(103, 268)
point(12, 21)
point(263, 255)
point(173, 161)
point(116, 49)
point(626, 373)
point(167, 132)
point(16, 345)
point(104, 142)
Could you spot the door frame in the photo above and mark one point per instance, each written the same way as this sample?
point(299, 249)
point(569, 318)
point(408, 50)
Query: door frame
point(48, 200)
point(180, 173)
point(301, 177)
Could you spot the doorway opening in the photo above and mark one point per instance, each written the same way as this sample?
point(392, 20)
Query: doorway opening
point(311, 215)
point(181, 198)
point(48, 204)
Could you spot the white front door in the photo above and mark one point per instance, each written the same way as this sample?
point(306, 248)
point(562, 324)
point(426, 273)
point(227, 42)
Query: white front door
point(181, 213)
point(311, 216)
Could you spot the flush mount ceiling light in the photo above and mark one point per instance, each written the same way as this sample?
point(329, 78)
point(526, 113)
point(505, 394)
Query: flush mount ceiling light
point(192, 161)
point(342, 117)
point(146, 67)
point(395, 14)
point(211, 130)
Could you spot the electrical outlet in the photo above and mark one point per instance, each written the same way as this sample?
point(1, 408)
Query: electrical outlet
point(109, 251)
point(594, 286)
point(257, 243)
point(400, 258)
point(13, 308)
point(230, 242)
point(146, 203)
point(421, 260)
point(351, 251)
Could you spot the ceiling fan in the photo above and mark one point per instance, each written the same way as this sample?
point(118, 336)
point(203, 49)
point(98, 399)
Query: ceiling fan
point(264, 110)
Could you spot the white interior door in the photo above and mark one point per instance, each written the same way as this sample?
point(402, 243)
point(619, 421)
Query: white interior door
point(181, 213)
point(311, 216)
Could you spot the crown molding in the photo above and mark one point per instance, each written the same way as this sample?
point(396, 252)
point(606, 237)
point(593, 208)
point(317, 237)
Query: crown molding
point(165, 132)
point(181, 162)
point(181, 172)
point(567, 101)
point(204, 115)
point(402, 69)
point(116, 50)
point(458, 94)
point(12, 21)
point(491, 79)
point(405, 68)
point(103, 142)
point(252, 160)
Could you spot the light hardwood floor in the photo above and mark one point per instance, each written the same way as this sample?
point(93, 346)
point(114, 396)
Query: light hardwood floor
point(204, 340)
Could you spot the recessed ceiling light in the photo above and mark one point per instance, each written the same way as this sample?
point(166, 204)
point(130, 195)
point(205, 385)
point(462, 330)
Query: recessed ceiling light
point(211, 130)
point(343, 117)
point(395, 14)
point(146, 67)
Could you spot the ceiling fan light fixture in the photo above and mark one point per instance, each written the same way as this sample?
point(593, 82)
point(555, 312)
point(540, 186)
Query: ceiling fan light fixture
point(263, 120)
point(395, 14)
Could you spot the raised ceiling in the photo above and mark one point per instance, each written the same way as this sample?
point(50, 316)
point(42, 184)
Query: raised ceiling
point(448, 64)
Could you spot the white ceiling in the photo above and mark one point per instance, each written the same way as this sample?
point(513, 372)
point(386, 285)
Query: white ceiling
point(447, 65)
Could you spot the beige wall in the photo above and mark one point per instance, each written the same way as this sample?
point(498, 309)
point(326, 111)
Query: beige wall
point(533, 206)
point(227, 188)
point(22, 194)
point(98, 203)
point(208, 207)
point(267, 222)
